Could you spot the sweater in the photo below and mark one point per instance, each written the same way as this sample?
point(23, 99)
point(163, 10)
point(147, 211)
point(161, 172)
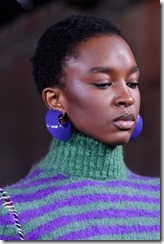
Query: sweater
point(81, 190)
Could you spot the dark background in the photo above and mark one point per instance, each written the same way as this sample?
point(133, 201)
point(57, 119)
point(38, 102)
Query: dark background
point(24, 139)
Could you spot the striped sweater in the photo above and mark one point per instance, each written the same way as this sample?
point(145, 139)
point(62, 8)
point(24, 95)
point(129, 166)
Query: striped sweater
point(81, 190)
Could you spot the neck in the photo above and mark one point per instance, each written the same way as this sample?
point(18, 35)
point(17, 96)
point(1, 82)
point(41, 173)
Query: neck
point(84, 157)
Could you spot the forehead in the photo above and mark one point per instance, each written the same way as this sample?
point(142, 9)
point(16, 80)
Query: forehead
point(103, 49)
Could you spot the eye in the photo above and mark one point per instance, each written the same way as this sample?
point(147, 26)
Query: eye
point(102, 85)
point(133, 85)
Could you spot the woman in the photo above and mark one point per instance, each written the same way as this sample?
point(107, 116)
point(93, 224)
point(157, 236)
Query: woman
point(88, 77)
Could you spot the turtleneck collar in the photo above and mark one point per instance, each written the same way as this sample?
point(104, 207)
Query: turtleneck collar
point(84, 157)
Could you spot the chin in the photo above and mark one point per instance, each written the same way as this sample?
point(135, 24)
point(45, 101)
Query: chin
point(120, 143)
point(117, 141)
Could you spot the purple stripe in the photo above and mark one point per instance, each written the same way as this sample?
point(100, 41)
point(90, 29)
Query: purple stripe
point(139, 186)
point(34, 173)
point(6, 220)
point(48, 190)
point(139, 177)
point(1, 201)
point(99, 214)
point(30, 214)
point(85, 183)
point(72, 202)
point(9, 238)
point(105, 230)
point(40, 181)
point(42, 193)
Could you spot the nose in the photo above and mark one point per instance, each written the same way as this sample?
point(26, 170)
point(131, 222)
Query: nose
point(123, 97)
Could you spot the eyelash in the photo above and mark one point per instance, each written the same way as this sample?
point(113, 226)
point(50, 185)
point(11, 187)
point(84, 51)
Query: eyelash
point(131, 85)
point(103, 85)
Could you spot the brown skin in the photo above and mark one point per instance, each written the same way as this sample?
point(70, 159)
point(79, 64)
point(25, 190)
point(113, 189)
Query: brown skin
point(93, 98)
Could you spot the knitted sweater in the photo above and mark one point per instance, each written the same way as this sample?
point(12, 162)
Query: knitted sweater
point(81, 190)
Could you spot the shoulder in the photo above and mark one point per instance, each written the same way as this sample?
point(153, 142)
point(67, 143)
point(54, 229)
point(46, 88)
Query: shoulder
point(140, 178)
point(148, 186)
point(10, 207)
point(9, 225)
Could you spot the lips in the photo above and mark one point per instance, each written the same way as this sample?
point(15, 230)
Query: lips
point(125, 121)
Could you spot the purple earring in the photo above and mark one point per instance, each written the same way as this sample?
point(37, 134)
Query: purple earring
point(138, 128)
point(60, 132)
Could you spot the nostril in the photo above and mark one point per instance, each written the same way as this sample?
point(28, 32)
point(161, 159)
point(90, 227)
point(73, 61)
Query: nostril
point(122, 103)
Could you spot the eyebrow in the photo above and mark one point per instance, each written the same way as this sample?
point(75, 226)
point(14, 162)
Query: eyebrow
point(101, 69)
point(135, 69)
point(107, 70)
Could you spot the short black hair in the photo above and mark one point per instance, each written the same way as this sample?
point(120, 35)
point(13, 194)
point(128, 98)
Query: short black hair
point(60, 42)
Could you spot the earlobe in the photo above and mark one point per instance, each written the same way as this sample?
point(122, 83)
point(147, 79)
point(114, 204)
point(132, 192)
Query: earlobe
point(57, 122)
point(52, 97)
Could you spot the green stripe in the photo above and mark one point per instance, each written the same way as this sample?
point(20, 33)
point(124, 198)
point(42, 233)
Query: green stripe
point(3, 211)
point(32, 189)
point(82, 225)
point(9, 230)
point(45, 175)
point(90, 189)
point(64, 182)
point(65, 211)
point(86, 207)
point(152, 181)
point(60, 196)
point(131, 237)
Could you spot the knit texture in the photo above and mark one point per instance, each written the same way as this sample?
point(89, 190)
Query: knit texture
point(82, 190)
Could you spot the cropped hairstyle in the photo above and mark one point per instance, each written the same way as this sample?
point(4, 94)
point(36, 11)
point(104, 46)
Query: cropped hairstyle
point(61, 41)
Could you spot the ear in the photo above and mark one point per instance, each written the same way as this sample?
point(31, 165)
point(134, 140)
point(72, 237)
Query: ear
point(54, 98)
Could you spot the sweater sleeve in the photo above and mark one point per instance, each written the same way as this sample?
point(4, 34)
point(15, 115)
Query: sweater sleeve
point(8, 227)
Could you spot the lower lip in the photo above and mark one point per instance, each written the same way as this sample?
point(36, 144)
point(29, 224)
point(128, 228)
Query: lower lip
point(125, 125)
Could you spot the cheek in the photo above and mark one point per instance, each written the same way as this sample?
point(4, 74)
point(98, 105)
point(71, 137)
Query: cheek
point(78, 100)
point(81, 111)
point(137, 99)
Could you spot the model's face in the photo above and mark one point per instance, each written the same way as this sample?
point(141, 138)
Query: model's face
point(101, 86)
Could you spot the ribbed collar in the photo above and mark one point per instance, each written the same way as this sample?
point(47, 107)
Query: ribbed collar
point(83, 157)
